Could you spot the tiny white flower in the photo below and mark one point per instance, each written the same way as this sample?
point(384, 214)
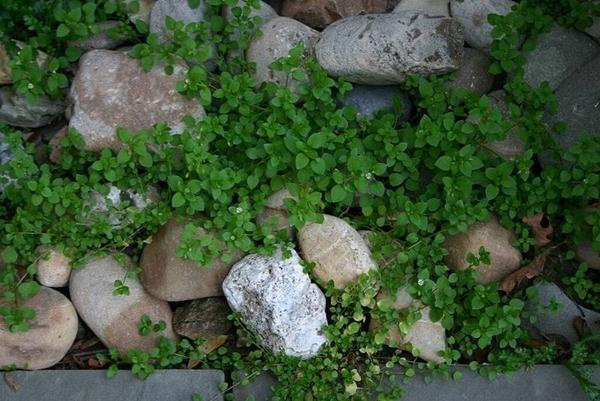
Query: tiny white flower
point(239, 210)
point(30, 85)
point(421, 281)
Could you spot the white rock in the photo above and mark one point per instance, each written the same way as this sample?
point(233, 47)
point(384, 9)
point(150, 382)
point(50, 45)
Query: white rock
point(473, 16)
point(382, 49)
point(429, 7)
point(49, 337)
point(338, 251)
point(115, 318)
point(279, 36)
point(53, 268)
point(277, 300)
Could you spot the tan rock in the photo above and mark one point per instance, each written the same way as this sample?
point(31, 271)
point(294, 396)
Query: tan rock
point(338, 251)
point(49, 337)
point(586, 254)
point(279, 36)
point(428, 337)
point(5, 70)
point(111, 90)
point(53, 268)
point(113, 318)
point(497, 240)
point(171, 278)
point(276, 213)
point(320, 13)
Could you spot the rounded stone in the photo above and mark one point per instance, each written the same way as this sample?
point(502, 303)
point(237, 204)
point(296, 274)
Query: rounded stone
point(368, 100)
point(115, 318)
point(429, 7)
point(53, 268)
point(103, 39)
point(275, 212)
point(473, 16)
point(473, 74)
point(171, 278)
point(206, 318)
point(176, 9)
point(511, 146)
point(279, 36)
point(585, 253)
point(16, 110)
point(339, 252)
point(49, 337)
point(383, 49)
point(320, 13)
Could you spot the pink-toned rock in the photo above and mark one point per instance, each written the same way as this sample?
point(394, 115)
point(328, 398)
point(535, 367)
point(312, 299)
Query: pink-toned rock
point(53, 268)
point(49, 337)
point(111, 90)
point(497, 240)
point(113, 318)
point(171, 278)
point(320, 13)
point(339, 252)
point(423, 337)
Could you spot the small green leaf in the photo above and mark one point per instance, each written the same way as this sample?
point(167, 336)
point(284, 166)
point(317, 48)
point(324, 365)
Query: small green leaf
point(338, 193)
point(178, 200)
point(62, 31)
point(443, 163)
point(301, 161)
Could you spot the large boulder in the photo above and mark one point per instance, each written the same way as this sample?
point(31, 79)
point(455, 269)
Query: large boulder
point(555, 314)
point(557, 55)
point(171, 278)
point(206, 318)
point(53, 267)
point(276, 299)
point(49, 337)
point(320, 13)
point(473, 16)
point(115, 318)
point(474, 74)
point(16, 110)
point(426, 337)
point(384, 48)
point(497, 240)
point(176, 9)
point(368, 100)
point(339, 252)
point(279, 36)
point(112, 90)
point(429, 7)
point(577, 98)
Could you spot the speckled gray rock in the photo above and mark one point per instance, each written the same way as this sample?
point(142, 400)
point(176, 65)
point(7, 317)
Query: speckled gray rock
point(557, 55)
point(339, 252)
point(429, 7)
point(428, 337)
point(552, 322)
point(16, 110)
point(474, 74)
point(53, 267)
point(279, 36)
point(368, 100)
point(103, 39)
point(113, 318)
point(511, 146)
point(49, 337)
point(112, 203)
point(206, 317)
point(497, 240)
point(176, 9)
point(383, 48)
point(277, 300)
point(320, 13)
point(578, 106)
point(171, 278)
point(275, 212)
point(473, 16)
point(112, 90)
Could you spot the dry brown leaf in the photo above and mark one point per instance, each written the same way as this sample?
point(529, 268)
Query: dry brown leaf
point(530, 271)
point(11, 382)
point(541, 227)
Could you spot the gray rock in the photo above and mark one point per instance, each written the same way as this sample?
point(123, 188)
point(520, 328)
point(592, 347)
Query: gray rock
point(142, 13)
point(594, 30)
point(5, 156)
point(16, 110)
point(277, 300)
point(114, 318)
point(275, 212)
point(473, 16)
point(429, 7)
point(102, 39)
point(557, 55)
point(206, 317)
point(176, 9)
point(586, 253)
point(112, 90)
point(368, 100)
point(264, 11)
point(49, 337)
point(382, 49)
point(113, 203)
point(53, 267)
point(93, 385)
point(578, 106)
point(279, 36)
point(474, 74)
point(259, 388)
point(511, 146)
point(550, 322)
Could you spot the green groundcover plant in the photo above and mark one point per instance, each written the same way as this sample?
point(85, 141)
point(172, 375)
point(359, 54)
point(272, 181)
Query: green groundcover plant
point(410, 183)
